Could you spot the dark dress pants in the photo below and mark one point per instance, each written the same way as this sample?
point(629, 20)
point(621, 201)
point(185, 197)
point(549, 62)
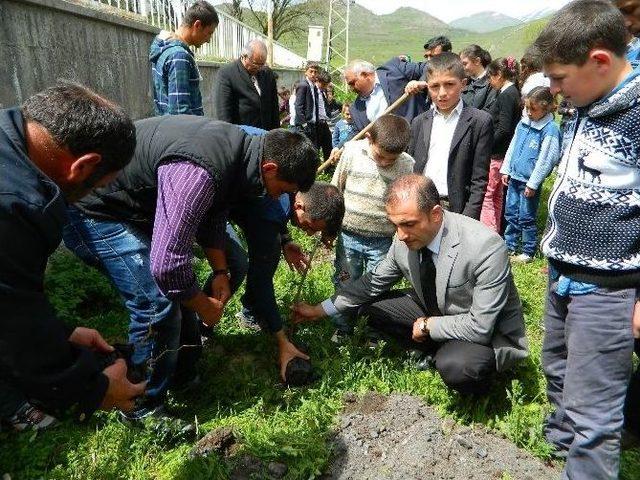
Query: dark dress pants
point(320, 135)
point(464, 366)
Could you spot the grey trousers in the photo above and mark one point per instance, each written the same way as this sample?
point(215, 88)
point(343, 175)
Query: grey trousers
point(586, 355)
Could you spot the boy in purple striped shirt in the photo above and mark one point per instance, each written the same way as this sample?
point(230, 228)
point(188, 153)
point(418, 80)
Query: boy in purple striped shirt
point(187, 172)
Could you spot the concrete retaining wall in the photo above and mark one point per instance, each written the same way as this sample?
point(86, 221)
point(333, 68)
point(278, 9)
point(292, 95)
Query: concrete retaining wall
point(43, 40)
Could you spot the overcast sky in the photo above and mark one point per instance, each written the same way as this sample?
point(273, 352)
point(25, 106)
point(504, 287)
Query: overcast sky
point(448, 10)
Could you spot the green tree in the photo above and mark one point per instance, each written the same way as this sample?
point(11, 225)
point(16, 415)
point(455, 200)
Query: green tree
point(235, 9)
point(289, 16)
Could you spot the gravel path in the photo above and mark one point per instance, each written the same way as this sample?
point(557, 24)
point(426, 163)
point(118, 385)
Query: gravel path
point(399, 437)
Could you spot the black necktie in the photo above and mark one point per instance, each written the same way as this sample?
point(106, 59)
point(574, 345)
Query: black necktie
point(428, 280)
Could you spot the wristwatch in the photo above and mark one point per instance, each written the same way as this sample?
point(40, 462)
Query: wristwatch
point(423, 327)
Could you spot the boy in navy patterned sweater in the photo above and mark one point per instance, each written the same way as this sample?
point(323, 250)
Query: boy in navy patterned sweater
point(592, 238)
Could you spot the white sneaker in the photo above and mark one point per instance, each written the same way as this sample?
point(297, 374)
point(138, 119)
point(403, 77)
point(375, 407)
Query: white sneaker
point(30, 417)
point(523, 258)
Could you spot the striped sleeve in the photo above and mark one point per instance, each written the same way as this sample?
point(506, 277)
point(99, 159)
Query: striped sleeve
point(185, 194)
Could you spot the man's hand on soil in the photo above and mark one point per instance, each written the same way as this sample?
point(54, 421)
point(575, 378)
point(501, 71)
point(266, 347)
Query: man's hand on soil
point(287, 351)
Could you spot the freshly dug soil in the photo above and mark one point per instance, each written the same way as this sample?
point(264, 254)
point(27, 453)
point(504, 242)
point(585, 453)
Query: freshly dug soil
point(399, 437)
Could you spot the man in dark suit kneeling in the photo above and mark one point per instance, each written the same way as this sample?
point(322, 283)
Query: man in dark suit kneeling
point(463, 307)
point(246, 92)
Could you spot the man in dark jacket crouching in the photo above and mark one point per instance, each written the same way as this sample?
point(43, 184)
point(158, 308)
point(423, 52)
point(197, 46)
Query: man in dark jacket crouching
point(61, 143)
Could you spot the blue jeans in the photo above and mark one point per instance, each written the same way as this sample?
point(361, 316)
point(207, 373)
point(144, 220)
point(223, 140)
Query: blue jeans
point(355, 256)
point(520, 214)
point(158, 326)
point(586, 356)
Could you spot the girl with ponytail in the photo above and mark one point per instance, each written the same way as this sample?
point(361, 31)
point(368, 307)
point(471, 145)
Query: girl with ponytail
point(506, 113)
point(478, 92)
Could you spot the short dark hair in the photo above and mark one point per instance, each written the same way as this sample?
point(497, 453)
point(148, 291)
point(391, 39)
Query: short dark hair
point(476, 51)
point(446, 62)
point(505, 66)
point(295, 155)
point(203, 11)
point(531, 60)
point(543, 97)
point(415, 186)
point(441, 41)
point(82, 121)
point(324, 76)
point(325, 202)
point(578, 28)
point(391, 133)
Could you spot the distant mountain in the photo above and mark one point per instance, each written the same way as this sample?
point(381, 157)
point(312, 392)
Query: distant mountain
point(485, 22)
point(537, 14)
point(377, 38)
point(414, 18)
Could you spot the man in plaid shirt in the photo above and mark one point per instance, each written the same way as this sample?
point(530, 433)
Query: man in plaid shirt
point(176, 78)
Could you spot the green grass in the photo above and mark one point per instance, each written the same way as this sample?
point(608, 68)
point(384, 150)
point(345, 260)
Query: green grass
point(240, 389)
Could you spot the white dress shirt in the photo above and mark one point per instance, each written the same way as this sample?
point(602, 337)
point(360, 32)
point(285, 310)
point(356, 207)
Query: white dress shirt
point(506, 85)
point(442, 131)
point(254, 79)
point(376, 103)
point(292, 109)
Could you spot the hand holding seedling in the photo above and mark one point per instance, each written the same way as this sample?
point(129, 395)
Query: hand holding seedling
point(303, 312)
point(295, 257)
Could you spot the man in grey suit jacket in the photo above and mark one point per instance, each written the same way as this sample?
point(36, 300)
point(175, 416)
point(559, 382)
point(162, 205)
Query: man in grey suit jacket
point(463, 307)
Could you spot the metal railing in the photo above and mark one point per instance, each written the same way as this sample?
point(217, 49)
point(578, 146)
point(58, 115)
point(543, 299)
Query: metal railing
point(226, 42)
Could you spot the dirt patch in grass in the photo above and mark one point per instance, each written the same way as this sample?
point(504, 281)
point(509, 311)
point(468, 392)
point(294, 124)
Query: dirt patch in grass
point(221, 441)
point(399, 437)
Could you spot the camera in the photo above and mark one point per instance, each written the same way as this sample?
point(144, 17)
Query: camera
point(136, 373)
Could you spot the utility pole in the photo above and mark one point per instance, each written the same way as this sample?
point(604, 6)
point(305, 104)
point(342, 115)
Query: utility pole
point(337, 52)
